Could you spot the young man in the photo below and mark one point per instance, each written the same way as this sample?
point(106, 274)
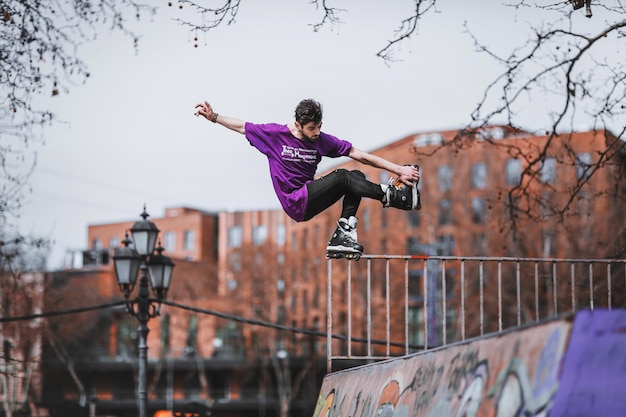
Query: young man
point(294, 152)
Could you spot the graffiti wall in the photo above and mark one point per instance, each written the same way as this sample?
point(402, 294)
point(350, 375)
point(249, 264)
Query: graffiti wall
point(511, 374)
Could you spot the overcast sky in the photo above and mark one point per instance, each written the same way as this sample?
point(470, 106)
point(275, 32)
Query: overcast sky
point(132, 138)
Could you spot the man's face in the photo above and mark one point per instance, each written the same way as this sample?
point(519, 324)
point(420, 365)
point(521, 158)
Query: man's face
point(310, 131)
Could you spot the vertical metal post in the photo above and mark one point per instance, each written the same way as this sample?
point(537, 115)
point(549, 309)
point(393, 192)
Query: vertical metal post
point(387, 310)
point(555, 300)
point(608, 284)
point(444, 305)
point(349, 308)
point(143, 306)
point(462, 299)
point(482, 297)
point(426, 304)
point(406, 307)
point(369, 307)
point(499, 296)
point(329, 318)
point(591, 286)
point(573, 284)
point(518, 288)
point(536, 291)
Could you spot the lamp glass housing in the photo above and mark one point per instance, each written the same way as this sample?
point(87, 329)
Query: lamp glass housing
point(127, 262)
point(160, 268)
point(144, 236)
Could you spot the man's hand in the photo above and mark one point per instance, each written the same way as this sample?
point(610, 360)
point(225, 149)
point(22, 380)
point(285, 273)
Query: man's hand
point(406, 174)
point(205, 109)
point(409, 175)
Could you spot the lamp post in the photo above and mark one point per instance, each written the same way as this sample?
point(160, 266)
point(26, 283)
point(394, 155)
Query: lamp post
point(128, 262)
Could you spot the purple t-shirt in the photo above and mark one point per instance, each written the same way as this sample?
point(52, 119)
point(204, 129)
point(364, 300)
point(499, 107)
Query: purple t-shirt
point(293, 161)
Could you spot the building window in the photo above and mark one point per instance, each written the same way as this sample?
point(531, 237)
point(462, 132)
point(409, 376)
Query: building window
point(169, 241)
point(445, 245)
point(480, 244)
point(547, 204)
point(583, 164)
point(451, 318)
point(234, 260)
point(126, 339)
point(445, 212)
point(96, 244)
point(114, 242)
point(413, 245)
point(365, 220)
point(294, 242)
point(165, 333)
point(513, 172)
point(281, 234)
point(304, 269)
point(548, 244)
point(227, 343)
point(316, 298)
point(584, 206)
point(189, 240)
point(280, 285)
point(294, 301)
point(479, 210)
point(232, 284)
point(416, 326)
point(445, 174)
point(305, 238)
point(383, 218)
point(235, 237)
point(281, 314)
point(548, 170)
point(415, 285)
point(479, 175)
point(259, 234)
point(192, 337)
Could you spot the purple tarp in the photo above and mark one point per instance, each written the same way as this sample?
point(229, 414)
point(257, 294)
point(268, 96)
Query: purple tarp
point(593, 377)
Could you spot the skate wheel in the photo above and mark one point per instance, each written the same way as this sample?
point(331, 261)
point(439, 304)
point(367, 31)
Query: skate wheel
point(344, 255)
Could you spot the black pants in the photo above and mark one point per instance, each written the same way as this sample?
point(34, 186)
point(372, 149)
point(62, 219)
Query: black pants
point(351, 185)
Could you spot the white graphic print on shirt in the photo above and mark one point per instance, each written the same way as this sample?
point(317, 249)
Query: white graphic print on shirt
point(291, 153)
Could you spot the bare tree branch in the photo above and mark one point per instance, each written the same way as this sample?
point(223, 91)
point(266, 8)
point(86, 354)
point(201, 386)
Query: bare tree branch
point(408, 27)
point(39, 44)
point(556, 63)
point(210, 17)
point(331, 14)
point(226, 13)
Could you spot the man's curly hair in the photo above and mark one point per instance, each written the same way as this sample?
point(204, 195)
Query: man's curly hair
point(308, 110)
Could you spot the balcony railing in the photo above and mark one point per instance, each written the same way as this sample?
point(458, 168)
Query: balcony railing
point(385, 306)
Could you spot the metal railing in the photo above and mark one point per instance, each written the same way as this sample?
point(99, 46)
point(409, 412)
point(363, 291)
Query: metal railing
point(384, 306)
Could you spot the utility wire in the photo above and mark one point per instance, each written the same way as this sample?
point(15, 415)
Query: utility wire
point(283, 327)
point(61, 312)
point(208, 312)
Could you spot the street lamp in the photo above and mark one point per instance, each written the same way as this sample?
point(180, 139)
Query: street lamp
point(128, 262)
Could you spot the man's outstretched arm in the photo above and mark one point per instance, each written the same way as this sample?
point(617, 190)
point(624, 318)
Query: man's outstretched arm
point(205, 110)
point(406, 173)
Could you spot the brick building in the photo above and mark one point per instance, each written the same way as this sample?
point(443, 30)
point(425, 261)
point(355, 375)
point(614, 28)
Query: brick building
point(262, 266)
